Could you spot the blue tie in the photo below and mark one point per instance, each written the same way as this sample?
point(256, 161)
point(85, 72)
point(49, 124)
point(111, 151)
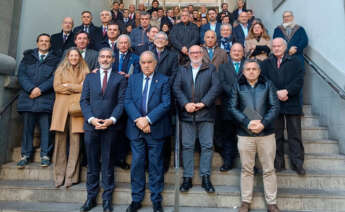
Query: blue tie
point(210, 53)
point(120, 62)
point(237, 67)
point(144, 96)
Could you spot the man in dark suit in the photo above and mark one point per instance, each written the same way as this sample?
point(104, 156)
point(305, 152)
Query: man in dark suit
point(105, 16)
point(147, 104)
point(90, 56)
point(241, 30)
point(241, 6)
point(125, 22)
point(88, 27)
point(102, 106)
point(228, 75)
point(211, 25)
point(113, 33)
point(115, 12)
point(64, 39)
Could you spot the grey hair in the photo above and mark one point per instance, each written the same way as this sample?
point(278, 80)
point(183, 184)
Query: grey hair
point(287, 11)
point(283, 40)
point(225, 25)
point(124, 36)
point(247, 61)
point(161, 33)
point(108, 50)
point(149, 53)
point(105, 11)
point(215, 34)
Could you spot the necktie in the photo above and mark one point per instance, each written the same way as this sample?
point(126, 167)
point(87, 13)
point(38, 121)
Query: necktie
point(120, 62)
point(144, 96)
point(210, 53)
point(159, 54)
point(279, 61)
point(105, 81)
point(112, 45)
point(42, 57)
point(65, 36)
point(104, 31)
point(237, 67)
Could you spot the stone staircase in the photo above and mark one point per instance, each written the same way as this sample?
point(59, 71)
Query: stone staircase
point(322, 189)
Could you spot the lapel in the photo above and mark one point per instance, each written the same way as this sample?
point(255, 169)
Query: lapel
point(110, 80)
point(154, 82)
point(206, 57)
point(163, 55)
point(87, 55)
point(139, 86)
point(99, 83)
point(125, 63)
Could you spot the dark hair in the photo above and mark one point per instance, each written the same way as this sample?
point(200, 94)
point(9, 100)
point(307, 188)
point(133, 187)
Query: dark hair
point(160, 8)
point(212, 9)
point(40, 35)
point(81, 32)
point(116, 2)
point(114, 23)
point(252, 61)
point(250, 10)
point(224, 4)
point(155, 1)
point(86, 11)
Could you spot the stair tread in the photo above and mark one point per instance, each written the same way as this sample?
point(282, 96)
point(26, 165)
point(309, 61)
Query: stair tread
point(64, 207)
point(169, 188)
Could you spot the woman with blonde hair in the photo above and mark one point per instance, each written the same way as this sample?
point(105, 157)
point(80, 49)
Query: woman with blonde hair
point(258, 43)
point(67, 117)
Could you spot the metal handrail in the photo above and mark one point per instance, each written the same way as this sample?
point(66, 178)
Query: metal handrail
point(8, 104)
point(177, 163)
point(319, 71)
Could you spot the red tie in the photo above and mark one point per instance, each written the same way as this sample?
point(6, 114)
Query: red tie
point(105, 81)
point(279, 61)
point(104, 31)
point(112, 45)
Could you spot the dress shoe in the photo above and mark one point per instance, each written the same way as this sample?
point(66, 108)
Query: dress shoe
point(133, 207)
point(123, 164)
point(207, 185)
point(186, 184)
point(300, 171)
point(107, 206)
point(88, 205)
point(272, 208)
point(225, 167)
point(244, 207)
point(157, 207)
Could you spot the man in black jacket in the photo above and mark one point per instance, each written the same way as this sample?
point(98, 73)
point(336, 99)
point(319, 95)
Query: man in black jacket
point(228, 75)
point(286, 72)
point(64, 39)
point(196, 88)
point(254, 104)
point(184, 35)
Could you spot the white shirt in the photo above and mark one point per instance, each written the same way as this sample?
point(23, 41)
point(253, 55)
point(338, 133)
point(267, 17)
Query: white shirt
point(39, 55)
point(195, 72)
point(110, 43)
point(148, 90)
point(83, 53)
point(102, 75)
point(245, 30)
point(213, 27)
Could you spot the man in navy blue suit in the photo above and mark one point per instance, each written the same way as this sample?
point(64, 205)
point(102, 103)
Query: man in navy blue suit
point(147, 104)
point(102, 106)
point(211, 25)
point(241, 30)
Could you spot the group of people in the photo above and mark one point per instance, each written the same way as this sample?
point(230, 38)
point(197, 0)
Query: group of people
point(104, 91)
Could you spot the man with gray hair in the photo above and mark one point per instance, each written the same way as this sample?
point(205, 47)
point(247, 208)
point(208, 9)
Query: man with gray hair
point(105, 16)
point(64, 39)
point(286, 73)
point(226, 38)
point(102, 107)
point(196, 88)
point(254, 105)
point(147, 104)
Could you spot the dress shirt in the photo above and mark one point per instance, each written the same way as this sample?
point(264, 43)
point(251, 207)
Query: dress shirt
point(213, 27)
point(110, 43)
point(148, 90)
point(195, 72)
point(39, 55)
point(245, 30)
point(83, 52)
point(102, 75)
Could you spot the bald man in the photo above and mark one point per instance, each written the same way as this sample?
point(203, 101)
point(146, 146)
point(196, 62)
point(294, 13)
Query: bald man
point(286, 73)
point(64, 39)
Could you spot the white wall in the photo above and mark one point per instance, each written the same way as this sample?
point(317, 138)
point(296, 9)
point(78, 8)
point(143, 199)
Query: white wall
point(46, 16)
point(324, 22)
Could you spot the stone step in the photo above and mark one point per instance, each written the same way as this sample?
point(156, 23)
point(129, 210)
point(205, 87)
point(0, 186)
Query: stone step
point(224, 197)
point(310, 146)
point(307, 110)
point(314, 179)
point(310, 121)
point(70, 207)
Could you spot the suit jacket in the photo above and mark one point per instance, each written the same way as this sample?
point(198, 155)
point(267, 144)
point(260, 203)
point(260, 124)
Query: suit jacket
point(239, 34)
point(219, 56)
point(94, 104)
point(158, 106)
point(58, 45)
point(130, 59)
point(103, 44)
point(116, 17)
point(167, 64)
point(94, 34)
point(204, 28)
point(227, 77)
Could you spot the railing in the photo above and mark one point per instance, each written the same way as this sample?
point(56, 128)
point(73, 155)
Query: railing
point(324, 76)
point(177, 163)
point(8, 105)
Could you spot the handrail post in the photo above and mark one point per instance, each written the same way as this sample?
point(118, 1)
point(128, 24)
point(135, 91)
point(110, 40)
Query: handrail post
point(177, 163)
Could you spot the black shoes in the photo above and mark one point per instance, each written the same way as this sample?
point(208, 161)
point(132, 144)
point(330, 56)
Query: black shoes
point(186, 184)
point(134, 207)
point(107, 206)
point(122, 164)
point(225, 167)
point(207, 185)
point(23, 162)
point(45, 161)
point(88, 205)
point(299, 169)
point(157, 207)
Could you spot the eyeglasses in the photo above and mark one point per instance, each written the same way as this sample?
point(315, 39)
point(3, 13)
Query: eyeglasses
point(195, 53)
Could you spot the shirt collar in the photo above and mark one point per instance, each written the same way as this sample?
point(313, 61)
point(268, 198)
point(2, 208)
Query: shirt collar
point(150, 77)
point(102, 70)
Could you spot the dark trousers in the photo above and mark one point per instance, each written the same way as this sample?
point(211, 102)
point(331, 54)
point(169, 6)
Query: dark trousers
point(43, 120)
point(294, 133)
point(98, 146)
point(154, 147)
point(121, 147)
point(228, 141)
